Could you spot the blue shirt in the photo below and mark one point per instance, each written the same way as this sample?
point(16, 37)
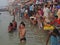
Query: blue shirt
point(58, 39)
point(53, 40)
point(31, 8)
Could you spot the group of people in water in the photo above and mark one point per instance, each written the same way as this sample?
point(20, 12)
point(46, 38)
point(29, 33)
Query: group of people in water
point(45, 15)
point(22, 31)
point(12, 26)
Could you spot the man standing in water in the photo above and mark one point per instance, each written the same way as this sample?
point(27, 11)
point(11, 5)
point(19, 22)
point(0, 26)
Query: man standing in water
point(22, 32)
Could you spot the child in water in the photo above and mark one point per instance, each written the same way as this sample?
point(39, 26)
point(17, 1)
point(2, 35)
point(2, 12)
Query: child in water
point(22, 32)
point(54, 38)
point(10, 28)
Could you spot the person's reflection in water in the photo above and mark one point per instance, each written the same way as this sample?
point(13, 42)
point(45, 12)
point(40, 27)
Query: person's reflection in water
point(22, 43)
point(15, 33)
point(11, 36)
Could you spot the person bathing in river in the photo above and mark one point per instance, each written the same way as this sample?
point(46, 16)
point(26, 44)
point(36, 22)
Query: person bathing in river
point(10, 28)
point(33, 19)
point(14, 25)
point(54, 38)
point(22, 32)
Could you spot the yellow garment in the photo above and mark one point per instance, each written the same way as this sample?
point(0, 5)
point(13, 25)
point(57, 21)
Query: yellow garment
point(48, 27)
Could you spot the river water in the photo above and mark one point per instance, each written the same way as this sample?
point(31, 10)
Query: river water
point(34, 36)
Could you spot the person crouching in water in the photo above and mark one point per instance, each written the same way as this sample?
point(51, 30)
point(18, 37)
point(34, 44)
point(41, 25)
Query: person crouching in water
point(14, 25)
point(10, 28)
point(22, 32)
point(54, 37)
point(33, 19)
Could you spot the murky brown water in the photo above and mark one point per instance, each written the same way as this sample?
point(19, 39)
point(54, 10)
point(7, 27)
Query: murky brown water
point(34, 36)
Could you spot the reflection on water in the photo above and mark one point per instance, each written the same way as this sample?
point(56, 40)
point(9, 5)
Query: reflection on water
point(11, 36)
point(23, 43)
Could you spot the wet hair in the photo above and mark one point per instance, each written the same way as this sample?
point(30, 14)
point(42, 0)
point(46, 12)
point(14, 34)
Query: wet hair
point(33, 13)
point(23, 23)
point(56, 31)
point(56, 16)
point(45, 5)
point(11, 24)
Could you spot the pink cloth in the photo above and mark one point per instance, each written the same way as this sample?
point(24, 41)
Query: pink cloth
point(40, 12)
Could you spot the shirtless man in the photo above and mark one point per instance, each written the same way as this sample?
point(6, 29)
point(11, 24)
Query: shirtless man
point(22, 32)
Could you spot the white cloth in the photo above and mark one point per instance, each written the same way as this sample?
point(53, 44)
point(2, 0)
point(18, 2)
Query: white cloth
point(33, 17)
point(37, 2)
point(26, 11)
point(22, 10)
point(46, 12)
